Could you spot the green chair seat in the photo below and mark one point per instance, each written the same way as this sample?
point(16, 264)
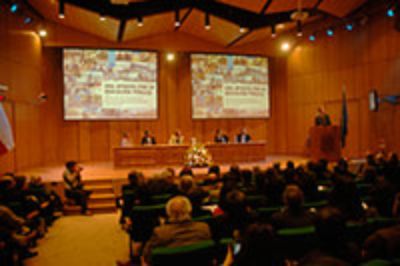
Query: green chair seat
point(296, 231)
point(201, 253)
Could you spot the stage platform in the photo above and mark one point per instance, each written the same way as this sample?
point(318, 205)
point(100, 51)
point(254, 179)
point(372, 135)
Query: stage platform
point(106, 170)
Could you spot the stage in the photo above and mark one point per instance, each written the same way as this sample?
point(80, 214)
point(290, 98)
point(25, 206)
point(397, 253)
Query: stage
point(106, 170)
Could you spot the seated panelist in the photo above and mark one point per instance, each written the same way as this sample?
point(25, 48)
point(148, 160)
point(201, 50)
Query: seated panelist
point(220, 137)
point(148, 139)
point(176, 138)
point(125, 140)
point(243, 136)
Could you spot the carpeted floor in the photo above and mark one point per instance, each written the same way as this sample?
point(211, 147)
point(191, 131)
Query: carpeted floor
point(83, 241)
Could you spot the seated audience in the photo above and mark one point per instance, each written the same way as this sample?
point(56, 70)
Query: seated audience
point(195, 194)
point(243, 136)
point(148, 138)
point(330, 227)
point(220, 137)
point(236, 216)
point(293, 214)
point(344, 196)
point(383, 244)
point(74, 188)
point(176, 138)
point(179, 230)
point(255, 249)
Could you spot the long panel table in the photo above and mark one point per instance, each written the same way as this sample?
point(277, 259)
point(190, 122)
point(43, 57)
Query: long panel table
point(153, 155)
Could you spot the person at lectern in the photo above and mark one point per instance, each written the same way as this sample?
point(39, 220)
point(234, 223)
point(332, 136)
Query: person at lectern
point(148, 139)
point(74, 188)
point(322, 118)
point(176, 138)
point(220, 137)
point(125, 140)
point(243, 136)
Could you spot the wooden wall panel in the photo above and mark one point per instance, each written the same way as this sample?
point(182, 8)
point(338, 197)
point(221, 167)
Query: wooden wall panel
point(361, 60)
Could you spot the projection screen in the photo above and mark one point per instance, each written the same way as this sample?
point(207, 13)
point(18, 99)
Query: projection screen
point(229, 86)
point(104, 84)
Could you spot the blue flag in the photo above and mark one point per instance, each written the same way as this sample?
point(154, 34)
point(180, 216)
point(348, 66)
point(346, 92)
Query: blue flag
point(345, 119)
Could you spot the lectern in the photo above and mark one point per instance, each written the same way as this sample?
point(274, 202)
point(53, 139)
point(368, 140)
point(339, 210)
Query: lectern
point(325, 143)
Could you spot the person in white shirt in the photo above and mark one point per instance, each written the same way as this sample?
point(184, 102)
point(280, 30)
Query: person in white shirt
point(125, 140)
point(176, 138)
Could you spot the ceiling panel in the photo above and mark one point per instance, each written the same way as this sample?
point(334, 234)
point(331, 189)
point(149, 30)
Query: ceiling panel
point(251, 5)
point(151, 25)
point(285, 5)
point(340, 8)
point(222, 32)
point(80, 19)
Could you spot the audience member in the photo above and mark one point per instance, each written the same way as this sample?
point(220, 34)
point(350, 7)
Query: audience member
point(383, 244)
point(179, 230)
point(195, 194)
point(255, 249)
point(74, 188)
point(334, 249)
point(293, 214)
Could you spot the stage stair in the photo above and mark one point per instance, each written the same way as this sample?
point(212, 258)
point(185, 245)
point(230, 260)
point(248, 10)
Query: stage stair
point(102, 199)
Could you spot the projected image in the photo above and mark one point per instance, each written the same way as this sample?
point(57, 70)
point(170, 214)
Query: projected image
point(109, 84)
point(229, 86)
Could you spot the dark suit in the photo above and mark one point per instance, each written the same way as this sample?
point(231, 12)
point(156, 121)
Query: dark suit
point(322, 120)
point(243, 138)
point(176, 235)
point(148, 140)
point(221, 139)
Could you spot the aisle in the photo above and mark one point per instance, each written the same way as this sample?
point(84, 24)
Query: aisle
point(83, 241)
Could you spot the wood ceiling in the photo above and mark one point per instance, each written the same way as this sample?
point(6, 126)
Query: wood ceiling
point(226, 17)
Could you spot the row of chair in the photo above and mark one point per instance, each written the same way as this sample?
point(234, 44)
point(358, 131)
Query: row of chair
point(291, 243)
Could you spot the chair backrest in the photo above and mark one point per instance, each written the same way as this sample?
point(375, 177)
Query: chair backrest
point(295, 242)
point(159, 199)
point(144, 219)
point(201, 253)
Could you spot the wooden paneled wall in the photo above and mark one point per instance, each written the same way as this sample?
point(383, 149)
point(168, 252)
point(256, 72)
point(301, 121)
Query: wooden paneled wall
point(20, 61)
point(368, 57)
point(94, 140)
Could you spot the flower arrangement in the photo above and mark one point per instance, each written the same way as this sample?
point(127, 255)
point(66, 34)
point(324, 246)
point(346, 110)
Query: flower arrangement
point(197, 156)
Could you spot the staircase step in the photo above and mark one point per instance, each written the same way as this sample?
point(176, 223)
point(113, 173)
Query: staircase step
point(100, 188)
point(102, 207)
point(102, 196)
point(98, 182)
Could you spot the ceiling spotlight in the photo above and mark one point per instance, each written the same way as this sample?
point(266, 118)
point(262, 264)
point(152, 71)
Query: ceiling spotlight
point(349, 26)
point(61, 12)
point(140, 21)
point(329, 32)
point(177, 18)
point(285, 46)
point(14, 8)
point(242, 29)
point(102, 17)
point(42, 33)
point(390, 12)
point(273, 31)
point(299, 28)
point(207, 24)
point(27, 20)
point(312, 38)
point(170, 57)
